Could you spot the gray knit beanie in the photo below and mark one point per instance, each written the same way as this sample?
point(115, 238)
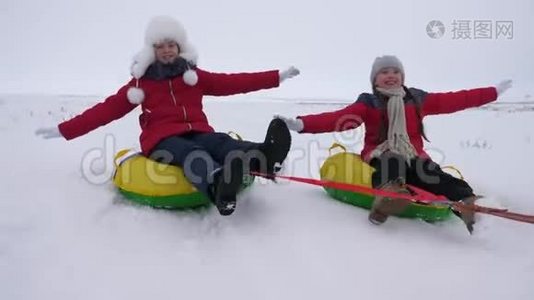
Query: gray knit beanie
point(386, 61)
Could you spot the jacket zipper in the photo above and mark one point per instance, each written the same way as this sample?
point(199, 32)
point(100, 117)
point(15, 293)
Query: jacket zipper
point(183, 106)
point(172, 92)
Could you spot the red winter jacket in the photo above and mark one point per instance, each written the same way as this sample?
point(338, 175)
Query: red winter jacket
point(170, 107)
point(370, 110)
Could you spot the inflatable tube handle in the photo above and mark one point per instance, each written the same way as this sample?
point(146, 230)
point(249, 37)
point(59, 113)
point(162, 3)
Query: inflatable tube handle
point(235, 135)
point(456, 170)
point(123, 155)
point(119, 154)
point(336, 145)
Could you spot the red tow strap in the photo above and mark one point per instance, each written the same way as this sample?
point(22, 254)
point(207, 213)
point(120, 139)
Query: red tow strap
point(420, 196)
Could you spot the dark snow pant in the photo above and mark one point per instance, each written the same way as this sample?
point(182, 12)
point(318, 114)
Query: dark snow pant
point(199, 154)
point(422, 173)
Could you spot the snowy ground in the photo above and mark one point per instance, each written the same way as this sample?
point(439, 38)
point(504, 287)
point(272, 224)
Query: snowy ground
point(65, 234)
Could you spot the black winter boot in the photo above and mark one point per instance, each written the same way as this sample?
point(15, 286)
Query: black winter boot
point(383, 207)
point(227, 181)
point(275, 147)
point(468, 215)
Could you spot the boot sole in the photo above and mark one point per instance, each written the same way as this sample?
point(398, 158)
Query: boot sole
point(228, 188)
point(277, 143)
point(386, 207)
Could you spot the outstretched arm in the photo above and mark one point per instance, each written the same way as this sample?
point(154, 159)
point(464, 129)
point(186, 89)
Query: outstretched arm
point(114, 107)
point(444, 103)
point(220, 84)
point(349, 117)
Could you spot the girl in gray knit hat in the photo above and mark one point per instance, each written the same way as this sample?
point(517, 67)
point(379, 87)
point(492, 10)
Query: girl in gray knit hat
point(394, 132)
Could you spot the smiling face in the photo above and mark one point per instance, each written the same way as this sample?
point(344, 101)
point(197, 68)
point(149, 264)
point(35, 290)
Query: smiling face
point(388, 78)
point(166, 51)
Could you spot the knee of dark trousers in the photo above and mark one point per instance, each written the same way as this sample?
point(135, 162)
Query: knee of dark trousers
point(426, 171)
point(194, 160)
point(165, 156)
point(221, 137)
point(173, 150)
point(461, 194)
point(221, 145)
point(388, 167)
point(459, 188)
point(198, 165)
point(210, 139)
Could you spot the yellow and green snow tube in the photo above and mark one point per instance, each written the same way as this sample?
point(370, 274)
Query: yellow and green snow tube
point(148, 182)
point(346, 167)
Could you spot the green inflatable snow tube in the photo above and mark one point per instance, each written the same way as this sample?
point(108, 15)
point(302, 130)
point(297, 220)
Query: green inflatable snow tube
point(429, 213)
point(346, 167)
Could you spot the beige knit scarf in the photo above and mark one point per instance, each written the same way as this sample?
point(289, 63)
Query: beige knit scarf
point(398, 140)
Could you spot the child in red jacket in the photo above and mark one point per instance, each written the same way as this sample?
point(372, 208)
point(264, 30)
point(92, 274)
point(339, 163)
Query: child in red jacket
point(394, 133)
point(175, 130)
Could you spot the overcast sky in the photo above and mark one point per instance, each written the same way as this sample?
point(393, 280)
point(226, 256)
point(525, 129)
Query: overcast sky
point(85, 47)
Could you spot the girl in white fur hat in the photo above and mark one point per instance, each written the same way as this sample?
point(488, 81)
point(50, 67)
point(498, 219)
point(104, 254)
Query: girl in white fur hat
point(169, 87)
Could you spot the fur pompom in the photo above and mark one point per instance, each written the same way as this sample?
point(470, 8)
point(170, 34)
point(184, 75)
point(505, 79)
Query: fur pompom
point(142, 61)
point(135, 95)
point(190, 77)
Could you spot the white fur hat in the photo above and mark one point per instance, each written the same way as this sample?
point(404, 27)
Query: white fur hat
point(386, 61)
point(159, 29)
